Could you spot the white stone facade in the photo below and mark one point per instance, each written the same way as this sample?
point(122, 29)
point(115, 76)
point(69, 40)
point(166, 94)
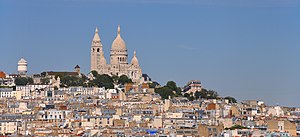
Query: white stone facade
point(22, 66)
point(6, 93)
point(118, 59)
point(8, 127)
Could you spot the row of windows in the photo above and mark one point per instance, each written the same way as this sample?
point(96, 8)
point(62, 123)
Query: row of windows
point(212, 129)
point(122, 59)
point(100, 121)
point(4, 124)
point(98, 50)
point(55, 117)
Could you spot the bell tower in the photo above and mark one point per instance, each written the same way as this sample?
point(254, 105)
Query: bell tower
point(96, 50)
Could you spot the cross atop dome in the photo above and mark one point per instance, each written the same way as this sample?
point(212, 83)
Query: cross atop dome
point(119, 30)
point(96, 31)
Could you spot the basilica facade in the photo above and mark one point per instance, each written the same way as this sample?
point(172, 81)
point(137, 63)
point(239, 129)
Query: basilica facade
point(118, 64)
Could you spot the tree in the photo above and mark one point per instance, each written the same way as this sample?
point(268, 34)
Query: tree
point(170, 89)
point(231, 99)
point(23, 81)
point(208, 94)
point(67, 81)
point(115, 78)
point(171, 85)
point(84, 77)
point(187, 95)
point(43, 74)
point(103, 81)
point(178, 91)
point(90, 84)
point(95, 73)
point(45, 81)
point(191, 98)
point(236, 127)
point(165, 92)
point(204, 93)
point(197, 94)
point(124, 79)
point(154, 84)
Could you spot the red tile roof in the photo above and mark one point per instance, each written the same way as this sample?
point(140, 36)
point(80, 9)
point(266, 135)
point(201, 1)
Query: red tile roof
point(2, 74)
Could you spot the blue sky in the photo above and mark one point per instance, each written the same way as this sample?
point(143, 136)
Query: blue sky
point(248, 49)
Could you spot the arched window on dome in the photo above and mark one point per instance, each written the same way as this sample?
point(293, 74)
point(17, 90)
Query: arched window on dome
point(93, 50)
point(98, 50)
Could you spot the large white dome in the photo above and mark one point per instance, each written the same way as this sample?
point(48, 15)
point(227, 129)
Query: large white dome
point(118, 44)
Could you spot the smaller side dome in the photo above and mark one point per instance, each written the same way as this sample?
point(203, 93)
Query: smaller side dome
point(134, 60)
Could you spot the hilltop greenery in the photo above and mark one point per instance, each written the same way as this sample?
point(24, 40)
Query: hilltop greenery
point(123, 79)
point(21, 81)
point(154, 85)
point(204, 93)
point(45, 81)
point(170, 89)
point(236, 127)
point(103, 80)
point(231, 99)
point(106, 81)
point(67, 81)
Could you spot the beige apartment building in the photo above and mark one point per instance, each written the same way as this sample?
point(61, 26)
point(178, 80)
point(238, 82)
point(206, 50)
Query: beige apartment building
point(8, 127)
point(282, 126)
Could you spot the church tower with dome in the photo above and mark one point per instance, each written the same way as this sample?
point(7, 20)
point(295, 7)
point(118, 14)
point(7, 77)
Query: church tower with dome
point(118, 59)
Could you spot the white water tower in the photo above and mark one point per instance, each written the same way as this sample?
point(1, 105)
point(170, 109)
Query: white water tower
point(22, 66)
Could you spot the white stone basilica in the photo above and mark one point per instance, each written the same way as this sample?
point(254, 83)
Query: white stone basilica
point(118, 59)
